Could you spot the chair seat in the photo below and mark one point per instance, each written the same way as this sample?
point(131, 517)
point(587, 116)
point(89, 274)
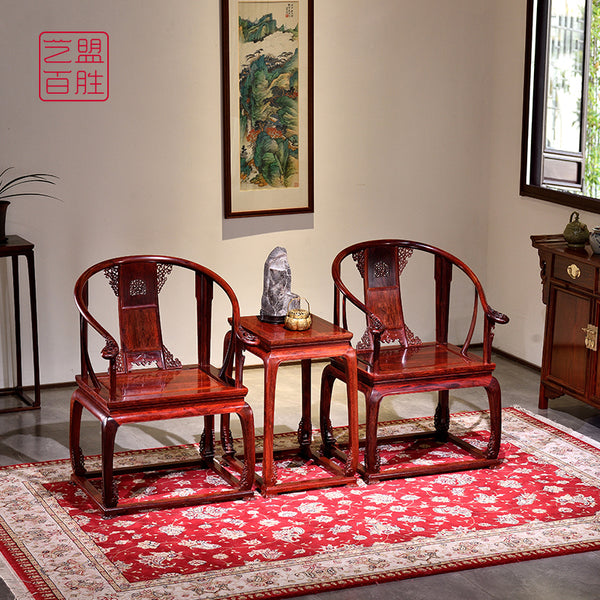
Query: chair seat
point(162, 387)
point(397, 363)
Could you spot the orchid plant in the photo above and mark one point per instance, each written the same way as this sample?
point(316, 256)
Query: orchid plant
point(8, 185)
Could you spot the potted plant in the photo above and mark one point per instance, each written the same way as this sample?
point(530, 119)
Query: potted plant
point(7, 190)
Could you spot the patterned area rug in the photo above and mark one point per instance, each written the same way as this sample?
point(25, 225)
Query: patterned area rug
point(541, 501)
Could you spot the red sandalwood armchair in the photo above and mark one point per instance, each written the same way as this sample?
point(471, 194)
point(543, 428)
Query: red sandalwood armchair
point(393, 360)
point(145, 382)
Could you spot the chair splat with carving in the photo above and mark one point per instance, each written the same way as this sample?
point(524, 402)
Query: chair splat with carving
point(393, 360)
point(146, 382)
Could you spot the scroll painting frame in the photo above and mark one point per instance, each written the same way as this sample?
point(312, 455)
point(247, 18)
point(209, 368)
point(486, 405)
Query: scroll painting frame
point(268, 115)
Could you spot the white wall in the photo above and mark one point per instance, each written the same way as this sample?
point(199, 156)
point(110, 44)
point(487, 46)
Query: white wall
point(513, 266)
point(417, 125)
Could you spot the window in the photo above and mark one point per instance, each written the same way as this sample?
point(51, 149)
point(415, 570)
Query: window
point(561, 116)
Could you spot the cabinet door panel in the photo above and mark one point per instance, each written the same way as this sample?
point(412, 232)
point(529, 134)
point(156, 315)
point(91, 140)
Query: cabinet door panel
point(571, 315)
point(596, 361)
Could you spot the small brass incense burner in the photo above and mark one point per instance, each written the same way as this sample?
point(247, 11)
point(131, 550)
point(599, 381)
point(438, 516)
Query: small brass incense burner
point(298, 319)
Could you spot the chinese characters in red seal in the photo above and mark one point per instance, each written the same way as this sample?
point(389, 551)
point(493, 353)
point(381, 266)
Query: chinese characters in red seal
point(73, 66)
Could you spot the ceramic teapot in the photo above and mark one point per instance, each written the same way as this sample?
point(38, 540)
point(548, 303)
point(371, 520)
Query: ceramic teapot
point(576, 233)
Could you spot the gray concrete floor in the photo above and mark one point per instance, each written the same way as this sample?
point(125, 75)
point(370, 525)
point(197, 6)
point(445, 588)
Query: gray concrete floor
point(43, 435)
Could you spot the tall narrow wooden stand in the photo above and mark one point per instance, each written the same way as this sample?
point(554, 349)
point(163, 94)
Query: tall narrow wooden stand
point(16, 246)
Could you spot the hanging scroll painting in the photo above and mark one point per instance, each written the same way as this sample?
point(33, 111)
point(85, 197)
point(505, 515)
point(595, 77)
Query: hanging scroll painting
point(267, 60)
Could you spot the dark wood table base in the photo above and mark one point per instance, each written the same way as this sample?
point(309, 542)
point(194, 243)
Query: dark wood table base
point(273, 345)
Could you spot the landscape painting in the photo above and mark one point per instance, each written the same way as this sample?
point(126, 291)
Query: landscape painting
point(268, 97)
point(268, 72)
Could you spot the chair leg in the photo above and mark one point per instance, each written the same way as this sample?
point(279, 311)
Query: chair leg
point(110, 494)
point(495, 402)
point(247, 422)
point(328, 378)
point(442, 416)
point(372, 458)
point(77, 457)
point(207, 440)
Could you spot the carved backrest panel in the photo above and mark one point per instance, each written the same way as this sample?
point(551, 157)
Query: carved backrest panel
point(137, 286)
point(381, 268)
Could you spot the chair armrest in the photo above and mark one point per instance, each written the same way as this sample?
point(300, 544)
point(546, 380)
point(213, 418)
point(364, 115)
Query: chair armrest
point(246, 337)
point(375, 323)
point(110, 351)
point(492, 317)
point(496, 316)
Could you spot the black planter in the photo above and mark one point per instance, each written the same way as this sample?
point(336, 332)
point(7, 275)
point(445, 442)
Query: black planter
point(3, 208)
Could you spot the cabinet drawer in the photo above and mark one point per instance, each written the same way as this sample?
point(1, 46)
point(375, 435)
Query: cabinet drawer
point(572, 271)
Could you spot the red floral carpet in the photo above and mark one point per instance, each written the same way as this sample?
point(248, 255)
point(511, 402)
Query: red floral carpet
point(541, 501)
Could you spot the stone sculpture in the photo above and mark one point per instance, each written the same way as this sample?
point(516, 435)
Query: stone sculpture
point(277, 287)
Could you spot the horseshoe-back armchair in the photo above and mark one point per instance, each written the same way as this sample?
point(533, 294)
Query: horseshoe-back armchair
point(393, 360)
point(144, 381)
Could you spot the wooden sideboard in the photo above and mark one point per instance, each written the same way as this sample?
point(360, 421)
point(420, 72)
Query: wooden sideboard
point(571, 293)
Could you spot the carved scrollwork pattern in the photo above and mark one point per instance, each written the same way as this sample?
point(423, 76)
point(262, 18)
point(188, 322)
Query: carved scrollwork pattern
point(78, 461)
point(110, 349)
point(381, 268)
point(110, 502)
point(162, 273)
point(359, 259)
point(304, 432)
point(366, 341)
point(442, 422)
point(139, 287)
point(112, 274)
point(120, 363)
point(404, 255)
point(377, 465)
point(207, 444)
point(348, 471)
point(492, 446)
point(246, 478)
point(411, 338)
point(143, 360)
point(227, 442)
point(170, 361)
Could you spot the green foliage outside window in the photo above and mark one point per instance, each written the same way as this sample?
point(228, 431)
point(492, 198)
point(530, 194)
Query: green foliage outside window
point(592, 138)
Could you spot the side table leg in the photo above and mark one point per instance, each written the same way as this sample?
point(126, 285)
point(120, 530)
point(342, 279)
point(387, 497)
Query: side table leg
point(305, 426)
point(269, 469)
point(34, 329)
point(17, 309)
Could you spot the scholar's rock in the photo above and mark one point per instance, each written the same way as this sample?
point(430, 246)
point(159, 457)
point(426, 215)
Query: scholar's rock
point(277, 287)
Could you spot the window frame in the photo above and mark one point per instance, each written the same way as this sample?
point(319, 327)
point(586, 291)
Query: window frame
point(533, 105)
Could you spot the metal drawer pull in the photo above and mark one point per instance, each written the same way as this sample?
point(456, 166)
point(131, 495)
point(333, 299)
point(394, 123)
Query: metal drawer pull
point(573, 271)
point(591, 337)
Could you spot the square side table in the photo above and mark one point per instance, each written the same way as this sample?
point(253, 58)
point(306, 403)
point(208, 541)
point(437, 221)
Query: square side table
point(276, 345)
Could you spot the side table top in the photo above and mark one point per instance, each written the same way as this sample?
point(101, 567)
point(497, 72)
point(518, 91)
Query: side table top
point(15, 245)
point(275, 335)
